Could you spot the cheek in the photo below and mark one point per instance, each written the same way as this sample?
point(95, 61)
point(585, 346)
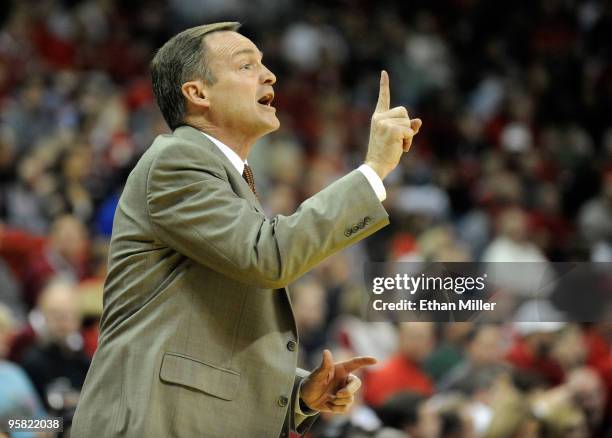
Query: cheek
point(231, 97)
point(242, 103)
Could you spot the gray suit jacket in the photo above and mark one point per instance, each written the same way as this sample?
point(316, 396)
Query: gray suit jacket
point(197, 336)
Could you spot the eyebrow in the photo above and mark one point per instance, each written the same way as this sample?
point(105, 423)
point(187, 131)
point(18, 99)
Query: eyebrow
point(247, 51)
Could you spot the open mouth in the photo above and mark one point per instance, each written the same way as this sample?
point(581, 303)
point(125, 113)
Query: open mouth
point(266, 100)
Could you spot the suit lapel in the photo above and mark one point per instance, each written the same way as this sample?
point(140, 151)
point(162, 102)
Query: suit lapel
point(239, 184)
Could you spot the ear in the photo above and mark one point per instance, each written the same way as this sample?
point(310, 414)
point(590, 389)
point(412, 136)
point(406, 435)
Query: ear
point(196, 93)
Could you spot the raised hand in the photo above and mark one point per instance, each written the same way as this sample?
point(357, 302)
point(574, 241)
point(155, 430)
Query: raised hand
point(391, 132)
point(331, 387)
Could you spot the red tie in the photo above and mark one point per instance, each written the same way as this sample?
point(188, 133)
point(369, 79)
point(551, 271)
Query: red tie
point(247, 174)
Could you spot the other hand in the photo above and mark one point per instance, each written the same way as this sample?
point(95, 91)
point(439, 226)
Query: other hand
point(331, 387)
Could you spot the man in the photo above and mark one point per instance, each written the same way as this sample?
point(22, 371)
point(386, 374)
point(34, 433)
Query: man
point(412, 414)
point(56, 361)
point(532, 351)
point(35, 260)
point(403, 372)
point(197, 335)
point(483, 354)
point(66, 254)
point(18, 397)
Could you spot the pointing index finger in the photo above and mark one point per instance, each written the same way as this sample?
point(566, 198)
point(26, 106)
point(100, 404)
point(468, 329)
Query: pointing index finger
point(358, 362)
point(384, 97)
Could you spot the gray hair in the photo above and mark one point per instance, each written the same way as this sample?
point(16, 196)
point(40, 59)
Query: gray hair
point(182, 58)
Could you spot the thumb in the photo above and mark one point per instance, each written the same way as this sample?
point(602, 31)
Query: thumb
point(325, 371)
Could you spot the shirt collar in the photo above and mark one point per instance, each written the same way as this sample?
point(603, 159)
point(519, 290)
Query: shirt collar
point(229, 153)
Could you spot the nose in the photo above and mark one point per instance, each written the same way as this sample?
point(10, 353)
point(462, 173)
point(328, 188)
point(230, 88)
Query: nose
point(269, 78)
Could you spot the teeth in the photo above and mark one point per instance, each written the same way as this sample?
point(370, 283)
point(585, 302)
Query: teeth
point(266, 100)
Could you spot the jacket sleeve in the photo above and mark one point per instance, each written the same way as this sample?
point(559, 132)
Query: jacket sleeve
point(301, 423)
point(193, 209)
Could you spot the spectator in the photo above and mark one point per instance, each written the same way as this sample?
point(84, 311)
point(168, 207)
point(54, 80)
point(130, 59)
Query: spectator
point(510, 416)
point(403, 371)
point(484, 350)
point(18, 398)
point(561, 417)
point(56, 362)
point(531, 351)
point(450, 349)
point(588, 392)
point(308, 299)
point(10, 293)
point(410, 413)
point(595, 221)
point(512, 243)
point(65, 254)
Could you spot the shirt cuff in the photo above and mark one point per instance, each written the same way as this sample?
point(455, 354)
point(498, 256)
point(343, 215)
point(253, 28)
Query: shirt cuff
point(297, 406)
point(374, 180)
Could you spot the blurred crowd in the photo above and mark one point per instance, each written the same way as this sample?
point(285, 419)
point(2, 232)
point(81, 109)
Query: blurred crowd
point(513, 163)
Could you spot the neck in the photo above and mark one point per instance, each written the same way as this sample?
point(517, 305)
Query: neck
point(236, 141)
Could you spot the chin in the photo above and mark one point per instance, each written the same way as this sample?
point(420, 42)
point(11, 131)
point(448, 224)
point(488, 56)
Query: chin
point(271, 127)
point(276, 125)
point(264, 125)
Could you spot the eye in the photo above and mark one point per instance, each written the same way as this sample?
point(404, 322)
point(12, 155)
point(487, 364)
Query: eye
point(247, 66)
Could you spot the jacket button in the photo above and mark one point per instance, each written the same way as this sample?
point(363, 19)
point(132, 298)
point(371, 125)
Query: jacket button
point(355, 228)
point(291, 345)
point(283, 401)
point(367, 220)
point(348, 232)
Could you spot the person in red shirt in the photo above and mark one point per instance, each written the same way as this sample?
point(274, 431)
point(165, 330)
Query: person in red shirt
point(65, 254)
point(402, 372)
point(531, 351)
point(34, 260)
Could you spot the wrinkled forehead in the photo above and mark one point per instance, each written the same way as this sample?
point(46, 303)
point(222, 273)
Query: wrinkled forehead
point(222, 46)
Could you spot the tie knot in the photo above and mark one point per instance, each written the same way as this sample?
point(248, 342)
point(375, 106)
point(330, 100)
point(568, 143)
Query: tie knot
point(247, 174)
